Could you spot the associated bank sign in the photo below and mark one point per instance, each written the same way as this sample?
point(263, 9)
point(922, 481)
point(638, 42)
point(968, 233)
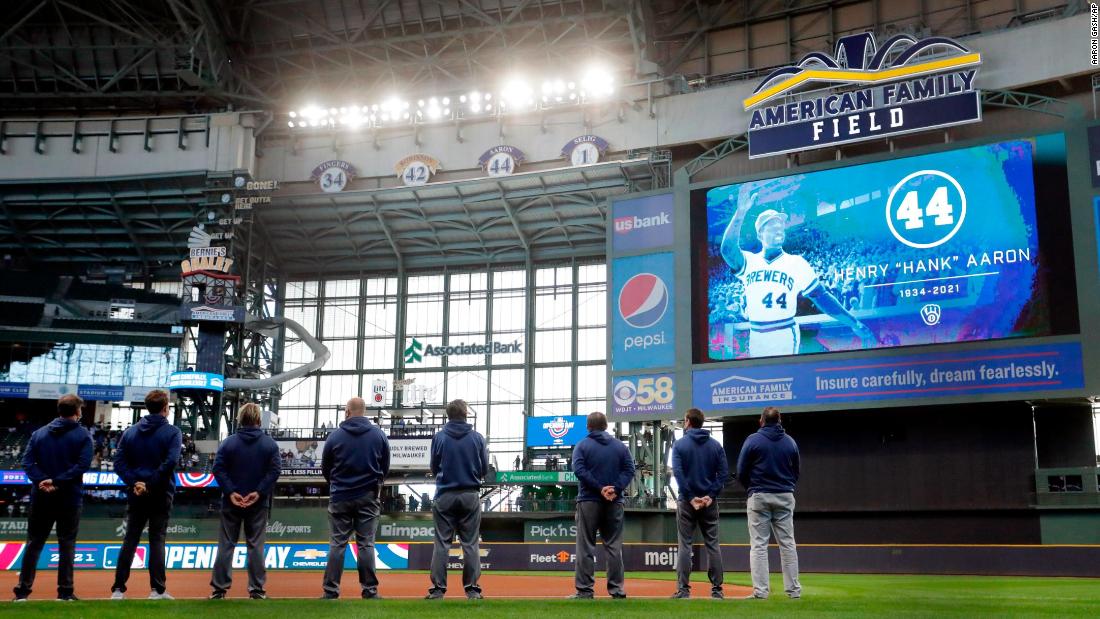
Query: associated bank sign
point(416, 351)
point(906, 85)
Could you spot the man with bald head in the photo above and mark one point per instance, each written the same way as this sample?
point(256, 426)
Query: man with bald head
point(355, 462)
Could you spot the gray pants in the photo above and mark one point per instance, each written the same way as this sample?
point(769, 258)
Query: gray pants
point(607, 518)
point(254, 520)
point(456, 512)
point(687, 518)
point(361, 517)
point(772, 513)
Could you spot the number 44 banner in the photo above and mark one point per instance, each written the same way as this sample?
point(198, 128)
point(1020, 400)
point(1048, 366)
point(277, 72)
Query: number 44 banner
point(645, 395)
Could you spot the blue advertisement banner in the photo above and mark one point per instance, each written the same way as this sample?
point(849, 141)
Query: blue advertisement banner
point(104, 479)
point(930, 249)
point(106, 393)
point(645, 395)
point(110, 393)
point(1047, 367)
point(200, 556)
point(559, 431)
point(1094, 155)
point(642, 325)
point(195, 380)
point(642, 223)
point(879, 123)
point(15, 390)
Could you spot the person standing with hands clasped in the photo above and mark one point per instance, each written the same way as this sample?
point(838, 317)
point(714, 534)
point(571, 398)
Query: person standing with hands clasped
point(700, 468)
point(246, 467)
point(146, 461)
point(604, 469)
point(55, 461)
point(768, 467)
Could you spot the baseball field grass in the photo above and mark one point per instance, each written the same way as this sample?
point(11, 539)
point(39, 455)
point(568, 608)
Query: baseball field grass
point(824, 595)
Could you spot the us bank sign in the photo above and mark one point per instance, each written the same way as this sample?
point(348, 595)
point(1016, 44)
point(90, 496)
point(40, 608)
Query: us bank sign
point(864, 92)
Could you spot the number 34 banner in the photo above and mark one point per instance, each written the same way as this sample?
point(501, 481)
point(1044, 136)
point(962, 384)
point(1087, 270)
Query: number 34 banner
point(649, 395)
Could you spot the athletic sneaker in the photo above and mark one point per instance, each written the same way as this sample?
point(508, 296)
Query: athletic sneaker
point(474, 595)
point(257, 595)
point(68, 597)
point(217, 595)
point(754, 597)
point(434, 595)
point(680, 595)
point(19, 600)
point(618, 596)
point(160, 596)
point(717, 594)
point(581, 596)
point(328, 596)
point(118, 595)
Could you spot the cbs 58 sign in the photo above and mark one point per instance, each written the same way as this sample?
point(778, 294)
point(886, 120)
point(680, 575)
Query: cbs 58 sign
point(646, 394)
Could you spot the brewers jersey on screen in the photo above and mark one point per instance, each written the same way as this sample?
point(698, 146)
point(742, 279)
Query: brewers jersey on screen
point(771, 300)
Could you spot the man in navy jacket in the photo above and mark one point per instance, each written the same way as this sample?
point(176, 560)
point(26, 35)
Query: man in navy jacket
point(604, 469)
point(55, 461)
point(246, 467)
point(355, 461)
point(146, 461)
point(459, 461)
point(700, 468)
point(768, 468)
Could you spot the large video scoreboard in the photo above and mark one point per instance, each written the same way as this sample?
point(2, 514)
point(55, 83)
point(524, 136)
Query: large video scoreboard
point(956, 273)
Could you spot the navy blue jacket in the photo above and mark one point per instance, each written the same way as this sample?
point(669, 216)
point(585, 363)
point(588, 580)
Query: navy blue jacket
point(247, 462)
point(601, 460)
point(768, 461)
point(61, 452)
point(356, 460)
point(699, 465)
point(460, 458)
point(149, 451)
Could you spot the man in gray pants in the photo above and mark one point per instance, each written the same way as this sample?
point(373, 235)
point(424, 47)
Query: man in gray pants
point(355, 461)
point(768, 468)
point(604, 469)
point(246, 467)
point(700, 468)
point(459, 461)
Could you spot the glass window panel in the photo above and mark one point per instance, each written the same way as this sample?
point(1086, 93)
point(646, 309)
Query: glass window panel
point(507, 386)
point(553, 408)
point(555, 276)
point(591, 381)
point(302, 290)
point(367, 392)
point(299, 393)
point(468, 281)
point(471, 386)
point(426, 361)
point(509, 279)
point(337, 389)
point(591, 344)
point(467, 360)
point(380, 318)
point(295, 417)
point(506, 424)
point(553, 310)
point(341, 320)
point(509, 358)
point(553, 383)
point(551, 346)
point(429, 380)
point(378, 353)
point(425, 316)
point(591, 307)
point(592, 273)
point(468, 314)
point(343, 355)
point(342, 288)
point(509, 311)
point(303, 315)
point(585, 407)
point(425, 283)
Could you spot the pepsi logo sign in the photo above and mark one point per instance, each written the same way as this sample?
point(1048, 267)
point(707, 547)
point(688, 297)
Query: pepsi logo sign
point(643, 300)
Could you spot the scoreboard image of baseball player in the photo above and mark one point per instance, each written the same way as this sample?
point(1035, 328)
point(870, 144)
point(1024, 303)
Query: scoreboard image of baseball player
point(930, 249)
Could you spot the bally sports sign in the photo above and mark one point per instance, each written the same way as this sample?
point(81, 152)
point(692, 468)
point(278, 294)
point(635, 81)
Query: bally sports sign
point(870, 92)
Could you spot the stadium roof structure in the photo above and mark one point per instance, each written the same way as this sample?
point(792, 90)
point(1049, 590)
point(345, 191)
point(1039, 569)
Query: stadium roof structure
point(541, 215)
point(138, 222)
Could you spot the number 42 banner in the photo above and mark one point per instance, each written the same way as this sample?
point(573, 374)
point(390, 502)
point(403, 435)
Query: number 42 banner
point(648, 395)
